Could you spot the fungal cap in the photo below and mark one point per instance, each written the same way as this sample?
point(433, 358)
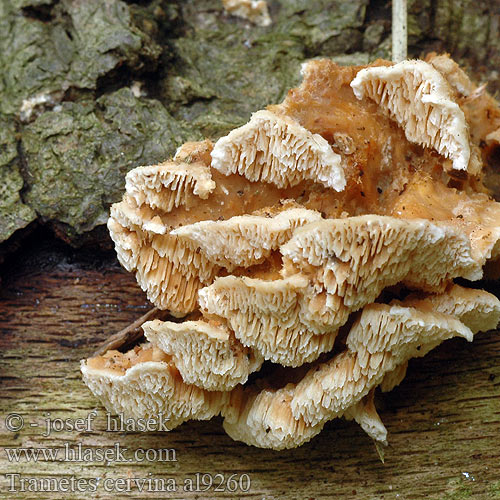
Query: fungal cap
point(142, 388)
point(400, 329)
point(272, 317)
point(383, 338)
point(477, 309)
point(420, 99)
point(206, 354)
point(244, 240)
point(169, 185)
point(276, 149)
point(170, 272)
point(265, 419)
point(355, 258)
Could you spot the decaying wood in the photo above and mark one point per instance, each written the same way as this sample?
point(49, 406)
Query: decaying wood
point(443, 421)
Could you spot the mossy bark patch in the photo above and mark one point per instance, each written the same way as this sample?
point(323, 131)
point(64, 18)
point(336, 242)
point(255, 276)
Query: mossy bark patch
point(225, 68)
point(72, 44)
point(77, 157)
point(14, 214)
point(206, 70)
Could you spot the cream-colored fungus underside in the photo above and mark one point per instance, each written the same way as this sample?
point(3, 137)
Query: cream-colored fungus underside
point(420, 99)
point(334, 267)
point(144, 383)
point(276, 149)
point(279, 240)
point(244, 240)
point(273, 317)
point(206, 353)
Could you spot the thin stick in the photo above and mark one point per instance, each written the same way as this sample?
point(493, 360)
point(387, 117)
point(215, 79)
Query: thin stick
point(133, 332)
point(399, 31)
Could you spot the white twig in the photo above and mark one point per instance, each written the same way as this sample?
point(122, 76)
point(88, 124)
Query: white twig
point(399, 30)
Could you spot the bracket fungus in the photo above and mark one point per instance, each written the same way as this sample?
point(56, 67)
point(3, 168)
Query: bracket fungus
point(207, 355)
point(244, 240)
point(144, 382)
point(309, 254)
point(420, 99)
point(276, 149)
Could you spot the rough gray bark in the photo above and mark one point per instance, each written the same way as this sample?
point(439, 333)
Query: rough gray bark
point(96, 88)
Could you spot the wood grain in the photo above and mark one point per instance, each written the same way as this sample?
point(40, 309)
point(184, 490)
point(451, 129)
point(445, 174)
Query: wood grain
point(58, 305)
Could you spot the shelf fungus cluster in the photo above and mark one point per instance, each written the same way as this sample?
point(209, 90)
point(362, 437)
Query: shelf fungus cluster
point(307, 256)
